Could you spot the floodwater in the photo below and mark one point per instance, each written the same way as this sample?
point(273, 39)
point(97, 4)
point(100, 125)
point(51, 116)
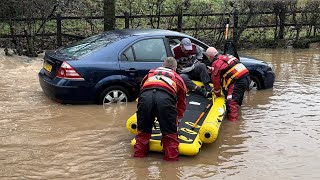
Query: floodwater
point(276, 137)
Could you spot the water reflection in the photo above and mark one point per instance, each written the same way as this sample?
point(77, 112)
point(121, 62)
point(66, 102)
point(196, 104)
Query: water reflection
point(213, 159)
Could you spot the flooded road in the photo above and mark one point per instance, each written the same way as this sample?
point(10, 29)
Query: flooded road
point(276, 137)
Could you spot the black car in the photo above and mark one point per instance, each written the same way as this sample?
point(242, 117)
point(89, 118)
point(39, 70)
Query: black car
point(109, 67)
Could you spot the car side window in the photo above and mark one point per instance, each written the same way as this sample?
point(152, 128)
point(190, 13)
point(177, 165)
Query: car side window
point(173, 43)
point(128, 55)
point(150, 50)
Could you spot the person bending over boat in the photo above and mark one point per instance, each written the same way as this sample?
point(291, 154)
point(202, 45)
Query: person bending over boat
point(162, 95)
point(189, 67)
point(229, 73)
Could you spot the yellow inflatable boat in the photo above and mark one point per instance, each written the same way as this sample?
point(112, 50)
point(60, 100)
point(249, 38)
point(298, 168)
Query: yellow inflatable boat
point(200, 124)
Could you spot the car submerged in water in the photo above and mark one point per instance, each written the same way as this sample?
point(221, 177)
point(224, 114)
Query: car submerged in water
point(109, 67)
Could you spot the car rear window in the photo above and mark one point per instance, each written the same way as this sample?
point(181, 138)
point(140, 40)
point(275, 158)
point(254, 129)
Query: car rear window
point(90, 44)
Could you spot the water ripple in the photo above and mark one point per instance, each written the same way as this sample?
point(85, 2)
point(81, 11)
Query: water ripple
point(277, 134)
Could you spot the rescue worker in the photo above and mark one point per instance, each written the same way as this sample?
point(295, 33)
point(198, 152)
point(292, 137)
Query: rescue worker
point(229, 73)
point(162, 95)
point(189, 67)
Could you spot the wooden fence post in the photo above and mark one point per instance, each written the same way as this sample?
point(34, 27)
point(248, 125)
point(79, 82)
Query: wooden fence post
point(30, 46)
point(235, 19)
point(59, 31)
point(180, 15)
point(235, 26)
point(126, 20)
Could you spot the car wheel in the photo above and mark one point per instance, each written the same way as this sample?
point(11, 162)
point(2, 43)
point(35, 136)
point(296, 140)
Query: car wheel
point(114, 95)
point(254, 83)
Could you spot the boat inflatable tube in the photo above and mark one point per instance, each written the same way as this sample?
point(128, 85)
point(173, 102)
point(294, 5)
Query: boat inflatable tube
point(210, 128)
point(132, 125)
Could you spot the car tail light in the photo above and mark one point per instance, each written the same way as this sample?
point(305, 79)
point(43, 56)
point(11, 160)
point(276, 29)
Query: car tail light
point(67, 72)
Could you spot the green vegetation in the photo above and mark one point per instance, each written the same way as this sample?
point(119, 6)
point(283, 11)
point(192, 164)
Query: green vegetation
point(294, 22)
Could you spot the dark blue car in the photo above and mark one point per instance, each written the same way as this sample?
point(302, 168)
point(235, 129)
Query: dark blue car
point(109, 67)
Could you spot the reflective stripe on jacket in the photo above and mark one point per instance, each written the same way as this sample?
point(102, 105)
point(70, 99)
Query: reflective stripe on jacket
point(234, 73)
point(226, 70)
point(163, 78)
point(169, 80)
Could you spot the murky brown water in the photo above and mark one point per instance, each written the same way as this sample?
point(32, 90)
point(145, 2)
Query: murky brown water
point(277, 136)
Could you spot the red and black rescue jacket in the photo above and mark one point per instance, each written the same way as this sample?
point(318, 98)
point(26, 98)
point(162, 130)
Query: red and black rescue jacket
point(169, 81)
point(226, 70)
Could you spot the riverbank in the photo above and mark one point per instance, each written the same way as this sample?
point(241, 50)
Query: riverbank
point(11, 55)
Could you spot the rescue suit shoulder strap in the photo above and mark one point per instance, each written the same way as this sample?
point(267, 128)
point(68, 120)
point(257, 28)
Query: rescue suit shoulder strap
point(229, 59)
point(168, 73)
point(234, 73)
point(164, 75)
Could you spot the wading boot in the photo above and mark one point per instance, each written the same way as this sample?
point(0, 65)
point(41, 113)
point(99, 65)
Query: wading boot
point(170, 145)
point(233, 110)
point(141, 147)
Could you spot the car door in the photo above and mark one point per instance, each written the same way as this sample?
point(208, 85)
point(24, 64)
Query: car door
point(142, 56)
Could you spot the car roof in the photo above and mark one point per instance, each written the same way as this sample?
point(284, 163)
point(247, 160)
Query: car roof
point(152, 32)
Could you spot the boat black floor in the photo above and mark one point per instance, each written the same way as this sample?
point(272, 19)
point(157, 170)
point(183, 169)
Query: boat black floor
point(196, 104)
